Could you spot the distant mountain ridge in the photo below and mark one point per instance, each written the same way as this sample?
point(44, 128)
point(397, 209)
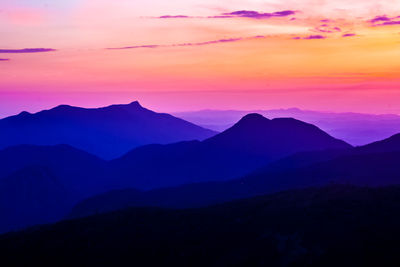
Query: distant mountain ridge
point(251, 143)
point(107, 132)
point(354, 128)
point(256, 132)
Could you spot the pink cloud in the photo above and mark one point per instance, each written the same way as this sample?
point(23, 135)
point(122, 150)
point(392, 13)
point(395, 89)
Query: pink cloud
point(349, 35)
point(240, 14)
point(26, 50)
point(174, 17)
point(326, 28)
point(228, 40)
point(385, 21)
point(310, 37)
point(380, 19)
point(258, 15)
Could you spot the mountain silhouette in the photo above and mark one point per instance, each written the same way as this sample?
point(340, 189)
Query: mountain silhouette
point(354, 128)
point(39, 184)
point(278, 137)
point(357, 166)
point(79, 172)
point(335, 225)
point(32, 195)
point(251, 143)
point(107, 132)
point(387, 145)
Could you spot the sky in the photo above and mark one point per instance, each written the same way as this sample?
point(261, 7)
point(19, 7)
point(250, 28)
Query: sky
point(177, 55)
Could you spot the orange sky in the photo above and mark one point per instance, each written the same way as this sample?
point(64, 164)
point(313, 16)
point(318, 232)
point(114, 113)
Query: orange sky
point(331, 55)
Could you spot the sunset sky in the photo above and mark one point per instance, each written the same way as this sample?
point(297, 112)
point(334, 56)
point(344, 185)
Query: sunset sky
point(175, 55)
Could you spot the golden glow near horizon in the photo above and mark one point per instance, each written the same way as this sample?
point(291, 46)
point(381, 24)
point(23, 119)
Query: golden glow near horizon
point(201, 46)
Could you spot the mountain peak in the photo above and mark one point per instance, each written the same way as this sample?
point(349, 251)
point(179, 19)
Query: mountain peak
point(253, 118)
point(275, 137)
point(24, 113)
point(132, 105)
point(62, 108)
point(135, 103)
point(108, 132)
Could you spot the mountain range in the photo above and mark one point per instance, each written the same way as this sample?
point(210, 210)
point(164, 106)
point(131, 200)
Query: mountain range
point(256, 156)
point(107, 132)
point(354, 128)
point(371, 165)
point(250, 144)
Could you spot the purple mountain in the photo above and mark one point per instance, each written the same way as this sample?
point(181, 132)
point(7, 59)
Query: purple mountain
point(107, 132)
point(355, 128)
point(251, 143)
point(387, 145)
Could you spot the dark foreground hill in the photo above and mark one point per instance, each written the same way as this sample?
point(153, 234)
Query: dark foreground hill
point(33, 195)
point(108, 132)
point(40, 184)
point(379, 169)
point(330, 226)
point(376, 164)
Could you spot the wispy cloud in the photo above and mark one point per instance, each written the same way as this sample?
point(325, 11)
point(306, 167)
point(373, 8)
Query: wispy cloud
point(385, 21)
point(379, 19)
point(174, 17)
point(228, 40)
point(349, 35)
point(326, 28)
point(26, 50)
point(4, 59)
point(310, 37)
point(135, 46)
point(238, 14)
point(258, 15)
point(388, 23)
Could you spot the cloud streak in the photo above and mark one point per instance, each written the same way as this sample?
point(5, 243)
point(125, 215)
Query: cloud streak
point(228, 40)
point(258, 15)
point(313, 37)
point(349, 35)
point(4, 59)
point(310, 37)
point(379, 19)
point(174, 17)
point(326, 29)
point(385, 21)
point(26, 50)
point(238, 14)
